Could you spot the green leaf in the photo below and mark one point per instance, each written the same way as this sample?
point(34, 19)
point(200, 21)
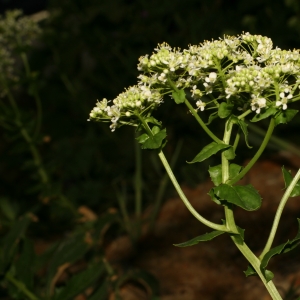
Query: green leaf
point(229, 153)
point(211, 117)
point(201, 238)
point(12, 239)
point(250, 271)
point(287, 180)
point(178, 96)
point(80, 282)
point(234, 170)
point(68, 251)
point(283, 248)
point(267, 113)
point(142, 138)
point(155, 141)
point(284, 116)
point(24, 265)
point(208, 151)
point(225, 110)
point(216, 173)
point(153, 121)
point(8, 210)
point(243, 125)
point(245, 197)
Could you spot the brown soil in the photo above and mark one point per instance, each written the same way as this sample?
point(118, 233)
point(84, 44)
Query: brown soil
point(214, 270)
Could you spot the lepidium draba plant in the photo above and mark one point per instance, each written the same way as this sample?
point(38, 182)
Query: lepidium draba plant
point(237, 79)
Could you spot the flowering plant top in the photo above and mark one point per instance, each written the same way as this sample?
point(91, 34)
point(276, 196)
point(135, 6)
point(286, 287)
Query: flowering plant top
point(231, 75)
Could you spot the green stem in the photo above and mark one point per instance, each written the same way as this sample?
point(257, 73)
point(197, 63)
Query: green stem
point(255, 262)
point(279, 213)
point(257, 154)
point(21, 286)
point(202, 124)
point(231, 226)
point(35, 96)
point(195, 114)
point(282, 144)
point(34, 152)
point(246, 113)
point(163, 185)
point(185, 200)
point(178, 188)
point(230, 223)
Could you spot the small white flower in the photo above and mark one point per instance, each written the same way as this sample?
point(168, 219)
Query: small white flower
point(211, 78)
point(257, 103)
point(200, 105)
point(284, 99)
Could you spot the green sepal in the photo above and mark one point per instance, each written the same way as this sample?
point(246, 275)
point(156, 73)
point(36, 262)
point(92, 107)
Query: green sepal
point(229, 153)
point(267, 113)
point(211, 117)
point(284, 116)
point(201, 238)
point(178, 96)
point(245, 197)
point(216, 173)
point(225, 110)
point(283, 248)
point(250, 271)
point(287, 181)
point(208, 151)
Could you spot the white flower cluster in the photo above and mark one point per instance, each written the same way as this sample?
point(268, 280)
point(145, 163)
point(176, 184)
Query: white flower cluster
point(236, 67)
point(135, 100)
point(242, 70)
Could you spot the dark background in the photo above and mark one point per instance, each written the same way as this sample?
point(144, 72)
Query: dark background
point(89, 50)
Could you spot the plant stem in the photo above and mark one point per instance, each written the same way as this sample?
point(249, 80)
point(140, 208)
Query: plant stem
point(21, 286)
point(255, 262)
point(185, 200)
point(34, 152)
point(230, 223)
point(279, 213)
point(194, 113)
point(163, 184)
point(200, 121)
point(282, 144)
point(231, 226)
point(257, 154)
point(35, 96)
